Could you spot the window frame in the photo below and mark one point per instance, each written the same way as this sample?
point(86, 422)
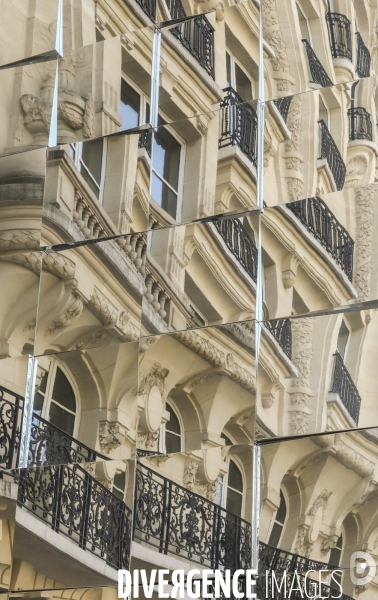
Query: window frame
point(273, 519)
point(77, 148)
point(162, 446)
point(345, 322)
point(234, 61)
point(225, 485)
point(51, 375)
point(143, 99)
point(309, 32)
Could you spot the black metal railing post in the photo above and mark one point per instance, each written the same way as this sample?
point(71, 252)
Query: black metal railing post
point(331, 153)
point(283, 106)
point(317, 218)
point(148, 7)
point(197, 36)
point(238, 125)
point(360, 125)
point(363, 58)
point(240, 244)
point(317, 71)
point(343, 385)
point(145, 141)
point(339, 28)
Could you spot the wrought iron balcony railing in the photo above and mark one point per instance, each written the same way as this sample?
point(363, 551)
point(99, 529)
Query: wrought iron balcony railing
point(315, 215)
point(145, 141)
point(149, 7)
point(318, 73)
point(73, 503)
point(343, 385)
point(283, 105)
point(277, 560)
point(363, 58)
point(238, 125)
point(339, 29)
point(49, 445)
point(360, 125)
point(240, 244)
point(177, 521)
point(331, 153)
point(11, 407)
point(197, 36)
point(281, 331)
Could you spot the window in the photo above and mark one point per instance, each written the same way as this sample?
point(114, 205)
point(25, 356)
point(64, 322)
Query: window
point(89, 158)
point(166, 158)
point(238, 79)
point(323, 112)
point(335, 557)
point(119, 485)
point(134, 107)
point(172, 432)
point(343, 339)
point(278, 524)
point(55, 399)
point(234, 498)
point(304, 26)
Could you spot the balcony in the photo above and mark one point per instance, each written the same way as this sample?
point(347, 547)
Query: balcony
point(177, 521)
point(277, 560)
point(238, 125)
point(145, 141)
point(149, 8)
point(318, 73)
point(339, 29)
point(330, 152)
point(281, 331)
point(69, 500)
point(283, 106)
point(197, 36)
point(363, 58)
point(315, 215)
point(11, 407)
point(360, 125)
point(343, 385)
point(240, 244)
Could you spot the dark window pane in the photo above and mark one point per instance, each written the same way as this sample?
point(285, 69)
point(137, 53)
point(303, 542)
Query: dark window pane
point(120, 480)
point(63, 392)
point(42, 385)
point(173, 424)
point(118, 494)
point(38, 403)
point(235, 479)
point(62, 419)
point(275, 535)
point(227, 439)
point(130, 106)
point(91, 156)
point(243, 84)
point(281, 513)
point(164, 196)
point(166, 157)
point(228, 69)
point(234, 502)
point(172, 443)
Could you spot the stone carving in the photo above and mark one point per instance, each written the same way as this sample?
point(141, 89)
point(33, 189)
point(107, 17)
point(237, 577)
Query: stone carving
point(321, 501)
point(293, 163)
point(267, 400)
point(59, 265)
point(298, 422)
point(19, 239)
point(328, 543)
point(102, 308)
point(353, 459)
point(71, 312)
point(156, 376)
point(302, 546)
point(208, 490)
point(192, 340)
point(302, 331)
point(364, 240)
point(110, 436)
point(148, 441)
point(130, 331)
point(31, 260)
point(93, 340)
point(240, 375)
point(356, 168)
point(273, 35)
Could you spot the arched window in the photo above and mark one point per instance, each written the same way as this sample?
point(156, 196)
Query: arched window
point(172, 432)
point(119, 485)
point(335, 557)
point(343, 340)
point(55, 399)
point(234, 497)
point(279, 522)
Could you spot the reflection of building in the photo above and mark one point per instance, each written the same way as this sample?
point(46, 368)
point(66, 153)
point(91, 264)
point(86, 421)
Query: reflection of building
point(146, 342)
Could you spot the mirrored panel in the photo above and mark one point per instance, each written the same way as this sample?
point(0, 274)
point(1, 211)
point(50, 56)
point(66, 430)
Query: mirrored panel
point(85, 406)
point(320, 142)
point(94, 97)
point(73, 525)
point(19, 293)
point(22, 188)
point(207, 519)
point(318, 519)
point(319, 254)
point(8, 507)
point(201, 274)
point(26, 106)
point(324, 374)
point(313, 44)
point(197, 389)
point(90, 296)
point(205, 166)
point(36, 30)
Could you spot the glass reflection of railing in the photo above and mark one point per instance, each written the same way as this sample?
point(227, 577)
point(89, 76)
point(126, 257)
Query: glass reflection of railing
point(363, 58)
point(281, 331)
point(343, 385)
point(360, 125)
point(240, 244)
point(176, 521)
point(238, 125)
point(339, 28)
point(318, 73)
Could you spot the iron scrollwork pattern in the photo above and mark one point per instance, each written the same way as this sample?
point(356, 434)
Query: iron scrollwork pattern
point(331, 153)
point(363, 58)
point(240, 244)
point(177, 521)
point(360, 125)
point(318, 73)
point(339, 28)
point(11, 407)
point(238, 124)
point(73, 503)
point(281, 331)
point(343, 385)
